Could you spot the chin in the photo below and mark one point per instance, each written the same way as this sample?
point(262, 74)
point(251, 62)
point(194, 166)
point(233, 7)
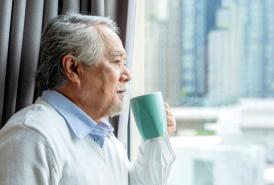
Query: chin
point(115, 109)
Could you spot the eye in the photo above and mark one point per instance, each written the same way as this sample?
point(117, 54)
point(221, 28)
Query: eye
point(116, 61)
point(119, 62)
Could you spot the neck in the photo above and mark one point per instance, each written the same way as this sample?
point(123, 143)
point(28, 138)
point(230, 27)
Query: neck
point(91, 110)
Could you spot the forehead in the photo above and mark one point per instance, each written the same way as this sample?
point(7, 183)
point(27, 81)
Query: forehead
point(118, 53)
point(113, 43)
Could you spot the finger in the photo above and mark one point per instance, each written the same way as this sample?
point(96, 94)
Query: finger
point(171, 130)
point(169, 112)
point(170, 118)
point(171, 121)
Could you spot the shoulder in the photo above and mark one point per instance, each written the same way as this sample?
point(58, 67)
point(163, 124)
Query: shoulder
point(37, 130)
point(21, 141)
point(42, 118)
point(35, 123)
point(40, 121)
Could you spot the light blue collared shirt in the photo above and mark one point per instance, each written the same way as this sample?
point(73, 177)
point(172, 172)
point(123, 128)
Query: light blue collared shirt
point(79, 122)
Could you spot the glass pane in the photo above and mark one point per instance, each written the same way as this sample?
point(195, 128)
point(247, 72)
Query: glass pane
point(213, 60)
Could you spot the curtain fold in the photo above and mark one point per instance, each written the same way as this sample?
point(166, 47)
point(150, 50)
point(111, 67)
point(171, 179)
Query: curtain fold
point(50, 10)
point(98, 7)
point(30, 52)
point(85, 7)
point(121, 10)
point(14, 57)
point(21, 25)
point(110, 8)
point(71, 6)
point(5, 18)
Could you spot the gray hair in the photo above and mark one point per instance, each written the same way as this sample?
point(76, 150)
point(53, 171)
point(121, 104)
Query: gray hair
point(74, 34)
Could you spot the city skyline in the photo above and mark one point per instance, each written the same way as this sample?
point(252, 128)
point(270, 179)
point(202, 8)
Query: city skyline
point(210, 53)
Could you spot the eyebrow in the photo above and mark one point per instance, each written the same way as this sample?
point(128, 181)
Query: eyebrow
point(119, 53)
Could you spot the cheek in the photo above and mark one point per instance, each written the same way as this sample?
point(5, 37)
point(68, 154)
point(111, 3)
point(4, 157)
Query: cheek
point(111, 80)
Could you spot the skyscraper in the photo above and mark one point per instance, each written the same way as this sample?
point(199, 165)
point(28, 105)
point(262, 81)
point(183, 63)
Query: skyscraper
point(198, 18)
point(257, 74)
point(163, 49)
point(251, 72)
point(193, 50)
point(210, 53)
point(268, 42)
point(224, 56)
point(155, 51)
point(173, 50)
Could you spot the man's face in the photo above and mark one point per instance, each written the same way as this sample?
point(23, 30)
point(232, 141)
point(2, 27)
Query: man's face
point(103, 85)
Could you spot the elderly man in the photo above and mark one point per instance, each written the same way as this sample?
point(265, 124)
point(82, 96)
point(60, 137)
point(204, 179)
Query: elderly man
point(64, 138)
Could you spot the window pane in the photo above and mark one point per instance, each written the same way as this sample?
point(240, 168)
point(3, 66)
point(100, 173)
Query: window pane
point(213, 60)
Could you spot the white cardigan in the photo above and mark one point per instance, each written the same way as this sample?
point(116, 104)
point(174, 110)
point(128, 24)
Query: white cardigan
point(38, 148)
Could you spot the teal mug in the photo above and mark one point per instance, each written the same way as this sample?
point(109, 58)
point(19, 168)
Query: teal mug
point(150, 115)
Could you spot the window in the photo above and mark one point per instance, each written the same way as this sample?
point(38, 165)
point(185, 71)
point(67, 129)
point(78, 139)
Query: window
point(213, 60)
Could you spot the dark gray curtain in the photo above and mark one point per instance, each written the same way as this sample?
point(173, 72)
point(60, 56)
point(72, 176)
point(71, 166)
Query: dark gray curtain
point(21, 25)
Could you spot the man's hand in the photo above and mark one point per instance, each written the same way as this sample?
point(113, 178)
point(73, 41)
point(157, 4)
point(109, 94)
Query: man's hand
point(171, 122)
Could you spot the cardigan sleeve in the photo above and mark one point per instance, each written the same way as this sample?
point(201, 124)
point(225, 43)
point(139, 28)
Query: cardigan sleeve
point(153, 162)
point(25, 158)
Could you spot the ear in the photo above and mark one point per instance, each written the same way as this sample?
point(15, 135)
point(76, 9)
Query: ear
point(71, 68)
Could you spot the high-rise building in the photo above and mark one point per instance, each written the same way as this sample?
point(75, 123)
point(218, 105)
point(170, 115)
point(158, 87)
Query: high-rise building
point(163, 49)
point(210, 52)
point(173, 64)
point(193, 50)
point(198, 18)
point(155, 46)
point(246, 66)
point(268, 42)
point(224, 56)
point(257, 73)
point(251, 72)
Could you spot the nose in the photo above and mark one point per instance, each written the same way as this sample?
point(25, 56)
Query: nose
point(125, 75)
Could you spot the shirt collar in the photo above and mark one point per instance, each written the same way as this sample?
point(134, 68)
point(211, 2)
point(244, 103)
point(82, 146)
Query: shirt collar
point(80, 123)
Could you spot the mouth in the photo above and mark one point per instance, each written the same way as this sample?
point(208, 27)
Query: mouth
point(121, 92)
